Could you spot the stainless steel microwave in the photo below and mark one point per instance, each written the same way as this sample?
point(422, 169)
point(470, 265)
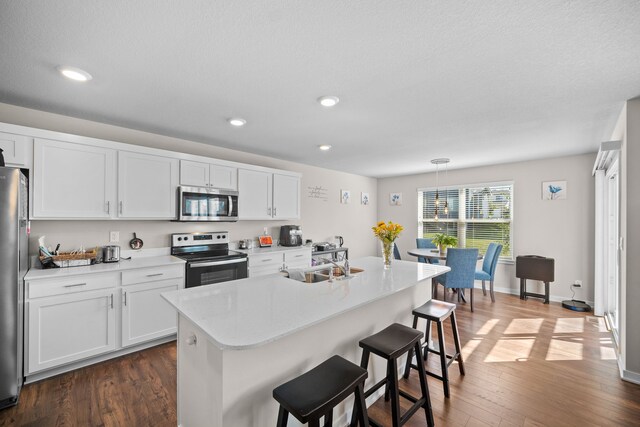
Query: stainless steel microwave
point(207, 204)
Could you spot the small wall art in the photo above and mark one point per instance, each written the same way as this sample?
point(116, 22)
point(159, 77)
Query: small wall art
point(395, 199)
point(364, 198)
point(345, 196)
point(554, 190)
point(317, 192)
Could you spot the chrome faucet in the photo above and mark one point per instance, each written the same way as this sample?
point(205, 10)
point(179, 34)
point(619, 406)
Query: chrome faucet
point(346, 270)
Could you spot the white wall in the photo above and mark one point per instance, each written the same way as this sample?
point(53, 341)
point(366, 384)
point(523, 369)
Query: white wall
point(320, 219)
point(560, 229)
point(630, 232)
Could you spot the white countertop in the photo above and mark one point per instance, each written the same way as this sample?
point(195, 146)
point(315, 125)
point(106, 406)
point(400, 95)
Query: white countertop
point(251, 312)
point(142, 262)
point(272, 249)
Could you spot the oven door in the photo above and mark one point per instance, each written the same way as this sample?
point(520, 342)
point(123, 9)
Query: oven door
point(208, 272)
point(207, 204)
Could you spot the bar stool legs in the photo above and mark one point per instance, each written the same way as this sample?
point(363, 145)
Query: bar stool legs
point(390, 344)
point(437, 311)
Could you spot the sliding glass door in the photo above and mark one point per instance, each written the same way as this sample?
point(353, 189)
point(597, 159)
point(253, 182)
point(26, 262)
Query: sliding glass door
point(612, 260)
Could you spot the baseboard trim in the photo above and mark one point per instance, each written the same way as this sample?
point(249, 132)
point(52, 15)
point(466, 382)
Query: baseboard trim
point(40, 375)
point(630, 376)
point(510, 291)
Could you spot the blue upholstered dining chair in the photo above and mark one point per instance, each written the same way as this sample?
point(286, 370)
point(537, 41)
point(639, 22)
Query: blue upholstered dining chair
point(396, 252)
point(463, 267)
point(489, 268)
point(426, 244)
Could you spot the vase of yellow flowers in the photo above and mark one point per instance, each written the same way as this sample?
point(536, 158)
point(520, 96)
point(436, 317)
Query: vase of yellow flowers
point(387, 233)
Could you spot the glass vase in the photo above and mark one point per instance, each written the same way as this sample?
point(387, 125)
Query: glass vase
point(387, 253)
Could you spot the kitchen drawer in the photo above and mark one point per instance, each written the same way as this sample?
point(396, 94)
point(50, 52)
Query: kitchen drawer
point(298, 256)
point(264, 260)
point(72, 284)
point(263, 271)
point(298, 259)
point(153, 274)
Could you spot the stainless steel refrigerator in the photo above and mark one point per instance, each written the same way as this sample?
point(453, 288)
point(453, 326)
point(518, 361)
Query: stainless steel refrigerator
point(13, 266)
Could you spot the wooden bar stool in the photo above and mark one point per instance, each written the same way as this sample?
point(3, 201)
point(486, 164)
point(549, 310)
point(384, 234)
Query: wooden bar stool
point(314, 394)
point(437, 311)
point(391, 343)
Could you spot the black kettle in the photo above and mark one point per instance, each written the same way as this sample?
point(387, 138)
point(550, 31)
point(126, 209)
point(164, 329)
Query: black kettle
point(1, 158)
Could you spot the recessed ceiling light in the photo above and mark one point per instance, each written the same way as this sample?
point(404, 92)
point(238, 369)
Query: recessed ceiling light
point(328, 101)
point(74, 73)
point(324, 147)
point(237, 122)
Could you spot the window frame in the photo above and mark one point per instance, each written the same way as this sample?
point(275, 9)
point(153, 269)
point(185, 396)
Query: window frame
point(420, 227)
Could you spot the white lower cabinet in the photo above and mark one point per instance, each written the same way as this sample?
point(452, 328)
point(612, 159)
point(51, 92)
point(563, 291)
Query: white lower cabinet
point(145, 314)
point(297, 258)
point(68, 328)
point(261, 264)
point(75, 318)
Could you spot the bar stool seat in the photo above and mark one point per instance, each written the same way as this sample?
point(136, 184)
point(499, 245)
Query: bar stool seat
point(437, 311)
point(391, 343)
point(315, 393)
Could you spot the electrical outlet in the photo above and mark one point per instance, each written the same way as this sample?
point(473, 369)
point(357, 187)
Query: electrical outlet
point(577, 283)
point(114, 236)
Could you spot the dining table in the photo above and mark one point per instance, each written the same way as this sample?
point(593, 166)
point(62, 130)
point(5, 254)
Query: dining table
point(434, 254)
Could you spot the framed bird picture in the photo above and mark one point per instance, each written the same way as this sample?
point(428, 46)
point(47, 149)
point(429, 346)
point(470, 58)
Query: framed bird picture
point(554, 190)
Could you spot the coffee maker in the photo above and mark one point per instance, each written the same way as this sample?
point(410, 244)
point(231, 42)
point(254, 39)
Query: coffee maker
point(290, 235)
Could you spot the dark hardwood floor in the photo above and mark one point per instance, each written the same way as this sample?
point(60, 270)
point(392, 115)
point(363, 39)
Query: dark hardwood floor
point(527, 364)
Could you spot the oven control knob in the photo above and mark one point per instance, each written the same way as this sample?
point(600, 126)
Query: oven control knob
point(224, 237)
point(186, 238)
point(218, 236)
point(179, 239)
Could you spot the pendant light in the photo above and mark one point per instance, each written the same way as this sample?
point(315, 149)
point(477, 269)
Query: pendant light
point(438, 162)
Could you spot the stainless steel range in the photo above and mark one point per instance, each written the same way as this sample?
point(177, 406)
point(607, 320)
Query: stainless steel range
point(209, 259)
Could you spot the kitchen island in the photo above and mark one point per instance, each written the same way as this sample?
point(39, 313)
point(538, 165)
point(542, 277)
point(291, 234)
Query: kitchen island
point(238, 340)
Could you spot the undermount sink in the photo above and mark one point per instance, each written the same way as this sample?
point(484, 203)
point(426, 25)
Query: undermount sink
point(323, 275)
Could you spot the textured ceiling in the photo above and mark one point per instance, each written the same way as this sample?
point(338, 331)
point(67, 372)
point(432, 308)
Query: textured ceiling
point(479, 82)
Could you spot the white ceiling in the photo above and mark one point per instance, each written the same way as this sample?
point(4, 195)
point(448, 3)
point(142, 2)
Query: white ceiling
point(479, 82)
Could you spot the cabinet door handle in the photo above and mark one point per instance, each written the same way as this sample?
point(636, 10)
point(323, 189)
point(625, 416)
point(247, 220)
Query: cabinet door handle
point(269, 211)
point(73, 286)
point(298, 256)
point(125, 298)
point(121, 207)
point(155, 274)
point(112, 301)
point(266, 260)
point(108, 207)
point(274, 211)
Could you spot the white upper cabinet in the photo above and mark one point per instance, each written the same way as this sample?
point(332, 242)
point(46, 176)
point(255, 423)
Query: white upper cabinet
point(15, 149)
point(255, 191)
point(199, 174)
point(286, 196)
point(147, 186)
point(75, 177)
point(224, 177)
point(266, 195)
point(194, 174)
point(73, 180)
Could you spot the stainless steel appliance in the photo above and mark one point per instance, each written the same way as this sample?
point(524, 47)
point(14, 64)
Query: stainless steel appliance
point(209, 259)
point(323, 246)
point(290, 235)
point(13, 266)
point(207, 204)
point(111, 253)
